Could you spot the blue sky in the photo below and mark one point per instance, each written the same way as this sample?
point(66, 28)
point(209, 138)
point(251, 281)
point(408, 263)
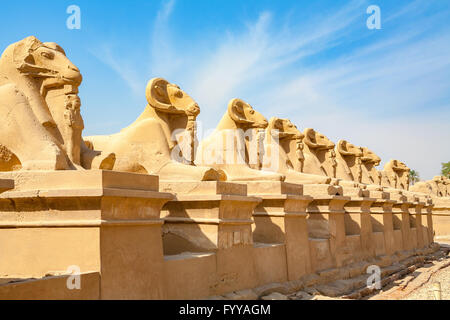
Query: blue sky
point(314, 62)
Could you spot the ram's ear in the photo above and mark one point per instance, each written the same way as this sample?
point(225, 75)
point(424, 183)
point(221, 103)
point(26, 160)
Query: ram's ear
point(275, 126)
point(278, 124)
point(310, 134)
point(310, 138)
point(23, 57)
point(236, 111)
point(342, 147)
point(157, 96)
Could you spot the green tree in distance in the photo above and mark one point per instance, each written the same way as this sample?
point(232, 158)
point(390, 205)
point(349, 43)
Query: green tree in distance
point(413, 177)
point(446, 169)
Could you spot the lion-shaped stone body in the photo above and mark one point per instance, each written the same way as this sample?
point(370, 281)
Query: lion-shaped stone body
point(370, 175)
point(348, 158)
point(234, 145)
point(30, 136)
point(439, 186)
point(282, 138)
point(447, 186)
point(316, 151)
point(423, 187)
point(149, 144)
point(320, 156)
point(395, 175)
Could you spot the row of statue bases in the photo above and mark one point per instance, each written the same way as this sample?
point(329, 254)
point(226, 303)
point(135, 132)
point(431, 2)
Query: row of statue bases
point(41, 129)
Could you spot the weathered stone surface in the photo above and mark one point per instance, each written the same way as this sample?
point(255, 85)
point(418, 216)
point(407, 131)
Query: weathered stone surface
point(275, 296)
point(239, 119)
point(271, 288)
point(242, 295)
point(297, 217)
point(39, 100)
point(148, 146)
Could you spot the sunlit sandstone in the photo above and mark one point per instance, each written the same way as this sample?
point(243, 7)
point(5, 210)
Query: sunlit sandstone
point(34, 134)
point(227, 148)
point(148, 145)
point(170, 226)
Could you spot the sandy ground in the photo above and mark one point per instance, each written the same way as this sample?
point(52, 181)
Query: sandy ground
point(421, 284)
point(425, 292)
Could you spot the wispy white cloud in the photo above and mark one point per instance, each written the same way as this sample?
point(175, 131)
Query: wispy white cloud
point(388, 91)
point(135, 71)
point(164, 57)
point(124, 68)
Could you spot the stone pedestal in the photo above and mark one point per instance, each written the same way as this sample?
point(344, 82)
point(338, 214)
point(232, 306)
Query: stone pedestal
point(441, 218)
point(354, 192)
point(358, 228)
point(429, 221)
point(326, 228)
point(281, 218)
point(95, 220)
point(384, 217)
point(418, 213)
point(320, 190)
point(413, 228)
point(377, 193)
point(401, 210)
point(211, 216)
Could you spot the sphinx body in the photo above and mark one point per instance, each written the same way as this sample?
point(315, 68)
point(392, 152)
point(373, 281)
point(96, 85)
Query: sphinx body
point(316, 151)
point(369, 161)
point(439, 186)
point(388, 180)
point(320, 157)
point(447, 186)
point(423, 187)
point(150, 144)
point(32, 135)
point(284, 141)
point(234, 147)
point(369, 174)
point(348, 159)
point(395, 175)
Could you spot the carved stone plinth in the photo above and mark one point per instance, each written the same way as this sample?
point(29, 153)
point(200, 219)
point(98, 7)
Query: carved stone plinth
point(354, 192)
point(358, 229)
point(418, 214)
point(384, 221)
point(98, 221)
point(326, 228)
point(401, 210)
point(429, 221)
point(213, 216)
point(320, 190)
point(281, 219)
point(441, 218)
